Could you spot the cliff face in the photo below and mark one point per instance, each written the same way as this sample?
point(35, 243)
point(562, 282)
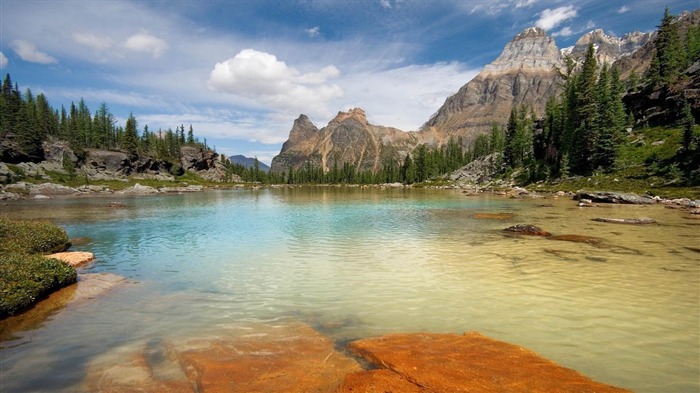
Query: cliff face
point(347, 138)
point(524, 73)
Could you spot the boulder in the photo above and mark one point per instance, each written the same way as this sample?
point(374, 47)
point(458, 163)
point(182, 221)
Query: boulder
point(527, 229)
point(641, 221)
point(614, 197)
point(106, 165)
point(462, 363)
point(50, 189)
point(6, 174)
point(55, 152)
point(138, 189)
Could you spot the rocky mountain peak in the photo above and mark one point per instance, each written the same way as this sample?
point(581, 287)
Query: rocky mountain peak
point(532, 49)
point(354, 113)
point(608, 48)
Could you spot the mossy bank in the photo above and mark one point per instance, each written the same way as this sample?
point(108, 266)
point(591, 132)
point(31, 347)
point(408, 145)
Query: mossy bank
point(26, 275)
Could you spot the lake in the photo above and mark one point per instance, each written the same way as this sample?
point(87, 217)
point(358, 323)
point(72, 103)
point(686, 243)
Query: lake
point(623, 309)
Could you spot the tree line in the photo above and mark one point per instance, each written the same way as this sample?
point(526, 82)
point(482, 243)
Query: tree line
point(29, 120)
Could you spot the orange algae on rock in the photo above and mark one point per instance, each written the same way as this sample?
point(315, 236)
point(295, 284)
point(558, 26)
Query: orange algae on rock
point(467, 363)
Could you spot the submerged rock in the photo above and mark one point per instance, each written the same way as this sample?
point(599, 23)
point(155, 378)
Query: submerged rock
point(461, 363)
point(527, 229)
point(493, 216)
point(261, 358)
point(640, 221)
point(594, 241)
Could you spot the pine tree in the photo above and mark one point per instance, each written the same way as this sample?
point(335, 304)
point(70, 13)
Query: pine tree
point(511, 128)
point(130, 138)
point(190, 136)
point(587, 112)
point(688, 123)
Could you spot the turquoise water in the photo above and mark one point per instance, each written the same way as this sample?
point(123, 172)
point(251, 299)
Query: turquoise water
point(364, 262)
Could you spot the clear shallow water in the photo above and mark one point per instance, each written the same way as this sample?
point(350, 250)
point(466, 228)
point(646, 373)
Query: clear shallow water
point(371, 262)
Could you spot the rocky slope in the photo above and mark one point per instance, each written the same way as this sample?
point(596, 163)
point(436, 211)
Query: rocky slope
point(524, 73)
point(347, 138)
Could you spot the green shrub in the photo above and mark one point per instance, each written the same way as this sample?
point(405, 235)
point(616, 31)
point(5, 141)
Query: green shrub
point(25, 278)
point(30, 237)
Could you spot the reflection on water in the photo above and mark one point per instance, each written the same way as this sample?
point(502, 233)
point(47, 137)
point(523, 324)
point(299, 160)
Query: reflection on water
point(623, 309)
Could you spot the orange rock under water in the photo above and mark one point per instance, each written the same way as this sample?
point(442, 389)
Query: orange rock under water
point(74, 258)
point(466, 363)
point(493, 216)
point(290, 358)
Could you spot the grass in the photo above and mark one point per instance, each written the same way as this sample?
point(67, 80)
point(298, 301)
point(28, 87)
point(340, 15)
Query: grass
point(25, 274)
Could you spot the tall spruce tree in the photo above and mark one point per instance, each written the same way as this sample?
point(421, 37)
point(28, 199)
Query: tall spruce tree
point(587, 110)
point(130, 138)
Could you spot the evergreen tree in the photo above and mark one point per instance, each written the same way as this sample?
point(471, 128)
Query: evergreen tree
point(688, 123)
point(587, 115)
point(190, 136)
point(130, 138)
point(511, 128)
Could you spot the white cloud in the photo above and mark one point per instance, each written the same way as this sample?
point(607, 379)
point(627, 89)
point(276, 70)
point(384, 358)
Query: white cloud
point(3, 60)
point(99, 43)
point(403, 97)
point(623, 9)
point(145, 42)
point(28, 52)
point(565, 32)
point(551, 18)
point(313, 31)
point(524, 3)
point(269, 82)
point(385, 4)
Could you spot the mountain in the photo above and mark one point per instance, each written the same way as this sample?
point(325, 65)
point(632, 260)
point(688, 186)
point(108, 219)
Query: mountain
point(524, 74)
point(347, 138)
point(608, 48)
point(248, 162)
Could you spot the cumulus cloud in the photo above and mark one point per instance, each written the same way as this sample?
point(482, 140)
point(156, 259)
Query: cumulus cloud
point(28, 52)
point(623, 9)
point(385, 4)
point(3, 60)
point(313, 31)
point(551, 18)
point(270, 83)
point(92, 41)
point(145, 42)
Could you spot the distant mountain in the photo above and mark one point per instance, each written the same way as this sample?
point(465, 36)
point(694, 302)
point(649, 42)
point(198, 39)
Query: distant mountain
point(248, 162)
point(347, 138)
point(608, 48)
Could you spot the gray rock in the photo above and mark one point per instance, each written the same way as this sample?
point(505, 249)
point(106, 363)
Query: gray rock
point(6, 174)
point(51, 189)
point(57, 151)
point(139, 190)
point(615, 197)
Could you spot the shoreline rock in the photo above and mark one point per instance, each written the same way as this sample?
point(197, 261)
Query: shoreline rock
point(74, 258)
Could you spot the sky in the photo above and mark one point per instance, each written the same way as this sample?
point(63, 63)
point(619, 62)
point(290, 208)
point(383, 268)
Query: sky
point(241, 71)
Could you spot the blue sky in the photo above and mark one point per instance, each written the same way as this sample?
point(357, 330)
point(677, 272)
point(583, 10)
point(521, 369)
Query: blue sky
point(241, 71)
